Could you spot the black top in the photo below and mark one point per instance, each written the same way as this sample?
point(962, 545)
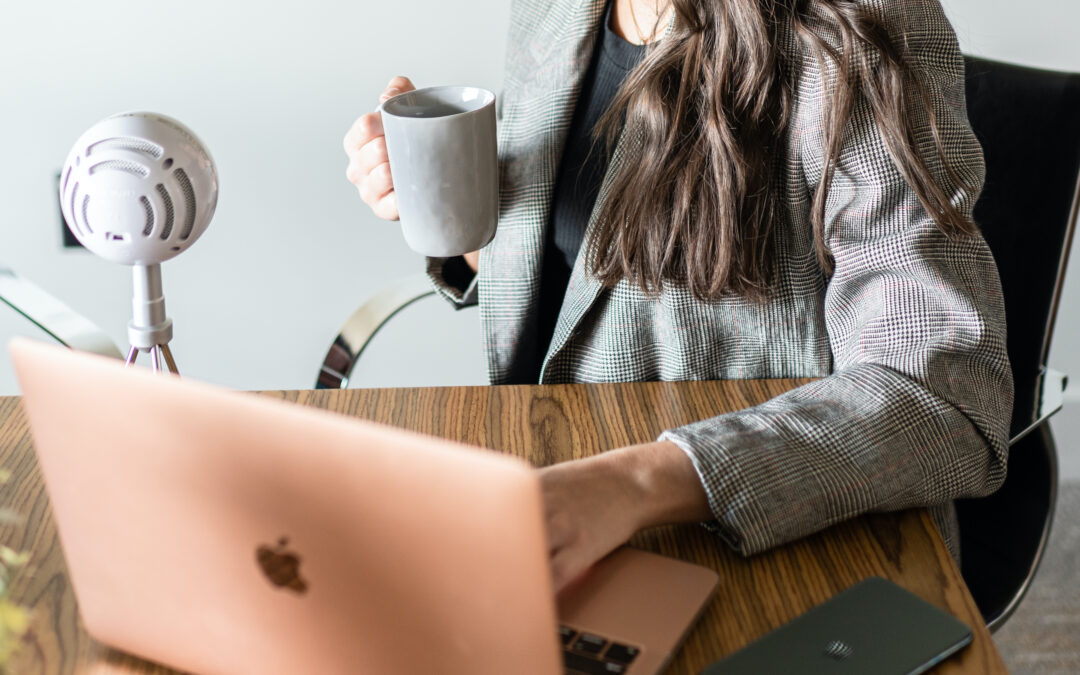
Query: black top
point(581, 171)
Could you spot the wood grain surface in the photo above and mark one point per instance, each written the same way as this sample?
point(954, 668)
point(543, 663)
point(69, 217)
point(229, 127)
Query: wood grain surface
point(544, 424)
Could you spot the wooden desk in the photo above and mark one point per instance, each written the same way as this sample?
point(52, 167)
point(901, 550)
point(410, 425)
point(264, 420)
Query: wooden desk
point(546, 425)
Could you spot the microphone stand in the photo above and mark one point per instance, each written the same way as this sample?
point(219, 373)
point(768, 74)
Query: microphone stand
point(150, 330)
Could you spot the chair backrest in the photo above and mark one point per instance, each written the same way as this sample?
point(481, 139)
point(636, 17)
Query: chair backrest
point(1028, 122)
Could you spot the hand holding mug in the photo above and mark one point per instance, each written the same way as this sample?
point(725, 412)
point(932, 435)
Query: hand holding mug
point(369, 164)
point(429, 157)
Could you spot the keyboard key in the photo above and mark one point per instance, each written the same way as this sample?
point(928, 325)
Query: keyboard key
point(590, 644)
point(621, 653)
point(578, 663)
point(566, 634)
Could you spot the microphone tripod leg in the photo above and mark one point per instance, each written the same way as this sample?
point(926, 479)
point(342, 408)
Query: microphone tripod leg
point(158, 353)
point(167, 353)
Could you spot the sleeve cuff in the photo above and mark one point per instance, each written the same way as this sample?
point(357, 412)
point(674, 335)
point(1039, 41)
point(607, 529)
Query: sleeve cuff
point(712, 526)
point(454, 280)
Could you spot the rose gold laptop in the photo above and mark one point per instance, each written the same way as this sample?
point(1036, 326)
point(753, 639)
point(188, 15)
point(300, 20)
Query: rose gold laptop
point(224, 532)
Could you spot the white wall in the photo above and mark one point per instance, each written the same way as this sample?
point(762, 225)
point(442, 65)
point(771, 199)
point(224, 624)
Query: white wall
point(271, 87)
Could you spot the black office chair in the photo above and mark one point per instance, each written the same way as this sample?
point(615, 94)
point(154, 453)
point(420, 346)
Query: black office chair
point(1028, 122)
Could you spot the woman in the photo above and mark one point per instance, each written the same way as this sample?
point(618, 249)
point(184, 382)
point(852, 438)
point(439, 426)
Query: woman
point(789, 194)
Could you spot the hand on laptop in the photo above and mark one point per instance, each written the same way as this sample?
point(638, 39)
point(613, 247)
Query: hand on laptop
point(594, 505)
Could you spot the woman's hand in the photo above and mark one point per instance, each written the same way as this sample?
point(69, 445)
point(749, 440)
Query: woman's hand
point(593, 505)
point(369, 165)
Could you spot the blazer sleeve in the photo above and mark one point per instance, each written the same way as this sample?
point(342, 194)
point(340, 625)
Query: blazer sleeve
point(454, 281)
point(916, 411)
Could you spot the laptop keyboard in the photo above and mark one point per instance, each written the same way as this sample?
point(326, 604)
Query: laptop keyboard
point(589, 654)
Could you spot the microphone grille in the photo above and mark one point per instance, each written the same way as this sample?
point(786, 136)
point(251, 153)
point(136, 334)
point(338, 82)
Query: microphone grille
point(85, 208)
point(166, 228)
point(149, 216)
point(134, 168)
point(131, 144)
point(189, 201)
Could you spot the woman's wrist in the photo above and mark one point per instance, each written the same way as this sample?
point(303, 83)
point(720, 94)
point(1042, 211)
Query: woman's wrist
point(457, 273)
point(662, 482)
point(472, 259)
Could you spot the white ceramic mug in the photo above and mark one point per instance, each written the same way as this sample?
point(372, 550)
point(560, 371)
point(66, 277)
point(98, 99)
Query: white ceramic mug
point(444, 162)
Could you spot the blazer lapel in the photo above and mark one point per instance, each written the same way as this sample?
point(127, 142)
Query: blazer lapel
point(583, 288)
point(551, 46)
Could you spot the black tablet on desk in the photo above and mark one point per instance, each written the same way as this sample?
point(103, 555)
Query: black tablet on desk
point(874, 627)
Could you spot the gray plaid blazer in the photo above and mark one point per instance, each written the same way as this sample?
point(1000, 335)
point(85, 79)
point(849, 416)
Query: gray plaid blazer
point(907, 333)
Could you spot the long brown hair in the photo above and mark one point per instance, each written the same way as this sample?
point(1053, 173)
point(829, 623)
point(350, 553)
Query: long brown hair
point(696, 198)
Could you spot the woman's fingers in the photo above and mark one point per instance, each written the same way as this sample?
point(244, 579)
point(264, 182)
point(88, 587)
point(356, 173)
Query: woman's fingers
point(387, 208)
point(369, 164)
point(571, 562)
point(364, 130)
point(398, 85)
point(372, 155)
point(376, 184)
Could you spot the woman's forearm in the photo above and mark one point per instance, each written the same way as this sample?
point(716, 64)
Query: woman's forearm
point(666, 482)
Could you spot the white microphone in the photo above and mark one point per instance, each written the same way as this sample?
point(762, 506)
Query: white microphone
point(139, 188)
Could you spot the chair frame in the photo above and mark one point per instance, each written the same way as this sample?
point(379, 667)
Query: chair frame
point(362, 325)
point(62, 323)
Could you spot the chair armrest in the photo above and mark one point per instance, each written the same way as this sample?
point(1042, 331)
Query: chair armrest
point(1051, 396)
point(363, 324)
point(62, 323)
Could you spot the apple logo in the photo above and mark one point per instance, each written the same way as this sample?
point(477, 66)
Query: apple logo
point(281, 566)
